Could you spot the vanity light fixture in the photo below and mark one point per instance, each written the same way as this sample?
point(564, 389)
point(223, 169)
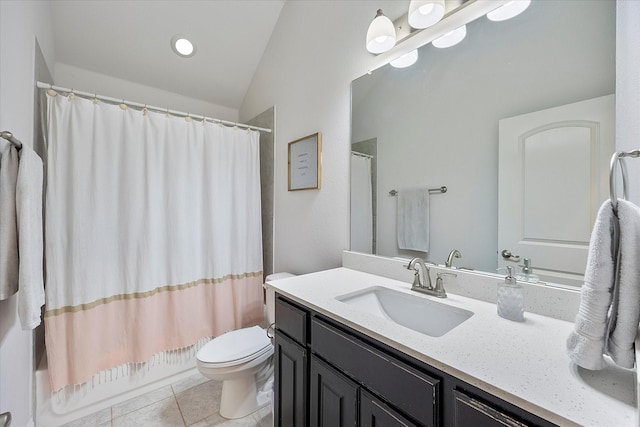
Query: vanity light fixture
point(182, 46)
point(508, 10)
point(447, 31)
point(451, 38)
point(381, 35)
point(406, 60)
point(425, 13)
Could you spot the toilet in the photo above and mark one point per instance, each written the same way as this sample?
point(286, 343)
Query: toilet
point(243, 361)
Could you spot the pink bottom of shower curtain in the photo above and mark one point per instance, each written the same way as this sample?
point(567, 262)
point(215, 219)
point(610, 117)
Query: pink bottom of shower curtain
point(139, 326)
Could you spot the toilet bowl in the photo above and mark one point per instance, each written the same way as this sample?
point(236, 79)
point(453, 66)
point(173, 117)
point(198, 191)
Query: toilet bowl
point(243, 361)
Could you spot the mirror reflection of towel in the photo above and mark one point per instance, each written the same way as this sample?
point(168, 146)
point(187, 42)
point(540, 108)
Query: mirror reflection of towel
point(413, 219)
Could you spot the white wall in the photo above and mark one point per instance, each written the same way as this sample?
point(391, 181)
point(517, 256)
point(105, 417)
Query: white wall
point(89, 81)
point(628, 88)
point(20, 24)
point(315, 51)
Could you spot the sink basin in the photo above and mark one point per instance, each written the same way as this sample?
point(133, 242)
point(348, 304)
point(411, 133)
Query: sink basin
point(422, 315)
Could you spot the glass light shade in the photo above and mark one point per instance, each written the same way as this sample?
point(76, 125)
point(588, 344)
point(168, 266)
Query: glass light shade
point(381, 35)
point(509, 10)
point(406, 60)
point(452, 38)
point(425, 13)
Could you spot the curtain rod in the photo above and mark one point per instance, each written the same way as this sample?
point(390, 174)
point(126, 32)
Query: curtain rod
point(42, 85)
point(356, 153)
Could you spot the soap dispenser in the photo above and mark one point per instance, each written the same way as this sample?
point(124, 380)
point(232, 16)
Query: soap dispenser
point(511, 298)
point(527, 273)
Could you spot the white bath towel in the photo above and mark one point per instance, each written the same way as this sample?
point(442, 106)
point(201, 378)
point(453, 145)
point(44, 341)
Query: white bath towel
point(30, 238)
point(625, 307)
point(8, 224)
point(413, 219)
point(585, 344)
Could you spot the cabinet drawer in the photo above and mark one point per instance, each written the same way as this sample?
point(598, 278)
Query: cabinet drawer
point(471, 411)
point(291, 320)
point(413, 392)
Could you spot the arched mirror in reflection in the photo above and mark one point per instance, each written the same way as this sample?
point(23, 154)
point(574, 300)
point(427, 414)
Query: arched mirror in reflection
point(438, 123)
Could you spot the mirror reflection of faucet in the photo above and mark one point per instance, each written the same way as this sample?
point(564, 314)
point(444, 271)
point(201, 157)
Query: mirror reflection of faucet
point(454, 253)
point(527, 272)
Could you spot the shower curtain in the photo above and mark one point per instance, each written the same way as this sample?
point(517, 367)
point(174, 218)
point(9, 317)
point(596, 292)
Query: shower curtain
point(361, 205)
point(152, 235)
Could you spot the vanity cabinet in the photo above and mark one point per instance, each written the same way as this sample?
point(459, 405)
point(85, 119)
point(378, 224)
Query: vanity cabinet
point(291, 368)
point(375, 413)
point(333, 397)
point(329, 375)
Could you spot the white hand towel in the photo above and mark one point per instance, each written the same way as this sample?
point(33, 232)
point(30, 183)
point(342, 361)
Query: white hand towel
point(8, 231)
point(413, 219)
point(625, 308)
point(30, 238)
point(585, 344)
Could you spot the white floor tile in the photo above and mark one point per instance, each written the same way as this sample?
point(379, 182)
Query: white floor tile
point(200, 402)
point(142, 401)
point(164, 413)
point(189, 382)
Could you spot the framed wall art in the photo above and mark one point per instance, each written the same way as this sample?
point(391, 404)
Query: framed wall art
point(305, 163)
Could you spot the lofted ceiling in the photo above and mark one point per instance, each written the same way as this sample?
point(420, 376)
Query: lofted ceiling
point(130, 40)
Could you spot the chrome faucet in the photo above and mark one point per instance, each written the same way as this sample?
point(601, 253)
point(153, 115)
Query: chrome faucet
point(454, 253)
point(425, 285)
point(418, 284)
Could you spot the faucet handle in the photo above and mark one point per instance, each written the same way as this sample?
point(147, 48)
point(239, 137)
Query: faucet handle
point(440, 292)
point(416, 280)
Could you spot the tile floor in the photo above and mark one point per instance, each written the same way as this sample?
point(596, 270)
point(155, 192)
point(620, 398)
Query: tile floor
point(192, 402)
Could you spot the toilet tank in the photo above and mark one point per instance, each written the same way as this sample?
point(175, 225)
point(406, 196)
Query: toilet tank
point(271, 295)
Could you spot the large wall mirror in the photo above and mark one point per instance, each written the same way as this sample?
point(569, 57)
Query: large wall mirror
point(438, 123)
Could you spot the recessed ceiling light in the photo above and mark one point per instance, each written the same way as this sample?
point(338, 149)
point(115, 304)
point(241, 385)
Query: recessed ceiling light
point(182, 46)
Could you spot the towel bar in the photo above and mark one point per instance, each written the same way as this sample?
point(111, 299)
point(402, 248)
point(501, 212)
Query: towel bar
point(442, 189)
point(9, 137)
point(618, 158)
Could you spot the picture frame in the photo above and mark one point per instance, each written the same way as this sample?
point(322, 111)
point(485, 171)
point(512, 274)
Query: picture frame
point(305, 162)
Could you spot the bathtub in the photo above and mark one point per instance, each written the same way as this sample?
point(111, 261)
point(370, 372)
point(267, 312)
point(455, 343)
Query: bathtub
point(111, 387)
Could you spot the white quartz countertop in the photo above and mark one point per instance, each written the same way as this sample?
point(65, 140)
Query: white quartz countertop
point(524, 363)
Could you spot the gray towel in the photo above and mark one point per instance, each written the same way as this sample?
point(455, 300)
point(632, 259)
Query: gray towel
point(30, 238)
point(8, 224)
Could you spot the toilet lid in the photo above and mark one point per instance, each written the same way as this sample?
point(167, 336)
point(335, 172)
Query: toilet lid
point(234, 346)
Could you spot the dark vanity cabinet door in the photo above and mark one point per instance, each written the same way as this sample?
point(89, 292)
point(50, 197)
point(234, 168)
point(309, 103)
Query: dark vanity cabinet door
point(291, 373)
point(374, 413)
point(333, 397)
point(469, 411)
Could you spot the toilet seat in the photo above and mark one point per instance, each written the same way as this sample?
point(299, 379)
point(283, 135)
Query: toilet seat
point(235, 348)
